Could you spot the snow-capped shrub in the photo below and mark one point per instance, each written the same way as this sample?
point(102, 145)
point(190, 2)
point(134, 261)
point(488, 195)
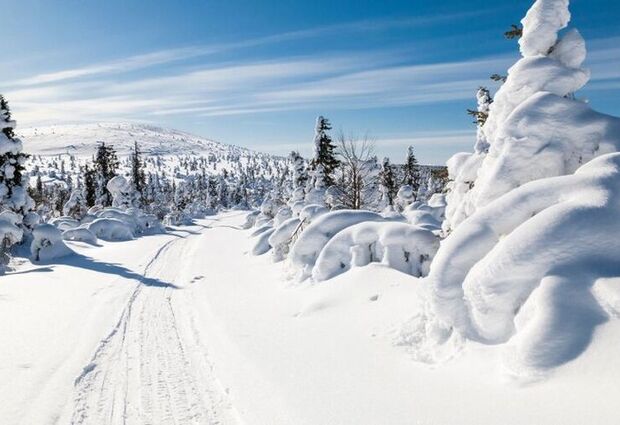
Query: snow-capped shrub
point(403, 247)
point(250, 219)
point(10, 234)
point(111, 229)
point(405, 196)
point(147, 224)
point(261, 246)
point(261, 229)
point(65, 223)
point(282, 236)
point(314, 237)
point(47, 243)
point(11, 217)
point(31, 220)
point(177, 218)
point(120, 215)
point(310, 212)
point(283, 214)
point(121, 191)
point(76, 205)
point(80, 234)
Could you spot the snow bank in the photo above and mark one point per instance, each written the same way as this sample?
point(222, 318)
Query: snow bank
point(47, 243)
point(111, 229)
point(403, 247)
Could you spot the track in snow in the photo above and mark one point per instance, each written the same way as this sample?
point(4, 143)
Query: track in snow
point(152, 368)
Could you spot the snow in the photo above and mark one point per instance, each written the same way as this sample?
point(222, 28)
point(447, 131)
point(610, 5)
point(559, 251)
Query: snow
point(541, 25)
point(47, 244)
point(241, 345)
point(400, 246)
point(111, 229)
point(314, 237)
point(80, 234)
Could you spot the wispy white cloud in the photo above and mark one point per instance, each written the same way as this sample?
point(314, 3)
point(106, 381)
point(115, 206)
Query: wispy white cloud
point(370, 79)
point(147, 60)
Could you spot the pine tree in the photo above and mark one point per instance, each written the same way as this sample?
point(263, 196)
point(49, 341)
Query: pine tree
point(411, 171)
point(387, 180)
point(106, 164)
point(13, 188)
point(138, 178)
point(90, 186)
point(324, 162)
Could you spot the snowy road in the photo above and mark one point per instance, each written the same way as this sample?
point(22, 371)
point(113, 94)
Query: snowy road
point(151, 368)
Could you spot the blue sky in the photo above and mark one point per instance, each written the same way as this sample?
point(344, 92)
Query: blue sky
point(257, 73)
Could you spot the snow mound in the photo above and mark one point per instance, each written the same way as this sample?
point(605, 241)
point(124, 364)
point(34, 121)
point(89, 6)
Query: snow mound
point(47, 243)
point(400, 246)
point(111, 229)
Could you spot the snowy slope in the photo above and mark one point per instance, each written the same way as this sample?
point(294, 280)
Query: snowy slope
point(81, 140)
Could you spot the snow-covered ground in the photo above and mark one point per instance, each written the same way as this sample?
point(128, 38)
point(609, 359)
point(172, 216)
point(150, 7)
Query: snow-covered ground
point(188, 328)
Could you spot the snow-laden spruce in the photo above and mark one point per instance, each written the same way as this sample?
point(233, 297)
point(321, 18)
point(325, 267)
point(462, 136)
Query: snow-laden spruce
point(536, 229)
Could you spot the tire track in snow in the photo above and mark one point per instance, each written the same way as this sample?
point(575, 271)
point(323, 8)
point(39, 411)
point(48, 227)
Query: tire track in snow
point(146, 370)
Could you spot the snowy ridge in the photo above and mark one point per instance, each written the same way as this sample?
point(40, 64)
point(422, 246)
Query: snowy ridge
point(81, 140)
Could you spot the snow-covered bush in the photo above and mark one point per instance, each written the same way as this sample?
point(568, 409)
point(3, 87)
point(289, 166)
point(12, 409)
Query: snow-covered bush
point(400, 246)
point(47, 243)
point(261, 246)
point(111, 229)
point(10, 234)
point(121, 191)
point(282, 237)
point(80, 234)
point(65, 223)
point(314, 237)
point(404, 197)
point(76, 205)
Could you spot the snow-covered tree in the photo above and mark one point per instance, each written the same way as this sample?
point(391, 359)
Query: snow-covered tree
point(387, 179)
point(411, 171)
point(106, 164)
point(138, 178)
point(13, 193)
point(325, 160)
point(300, 174)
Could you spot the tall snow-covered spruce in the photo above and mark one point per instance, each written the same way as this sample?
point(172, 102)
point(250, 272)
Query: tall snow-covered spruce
point(13, 193)
point(533, 217)
point(325, 160)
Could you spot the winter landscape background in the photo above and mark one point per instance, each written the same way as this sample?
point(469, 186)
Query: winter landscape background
point(336, 269)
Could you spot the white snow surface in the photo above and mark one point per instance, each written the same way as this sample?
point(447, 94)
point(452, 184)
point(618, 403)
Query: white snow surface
point(81, 140)
point(127, 333)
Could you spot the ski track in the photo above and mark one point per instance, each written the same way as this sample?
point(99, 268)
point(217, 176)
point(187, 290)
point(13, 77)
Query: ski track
point(152, 368)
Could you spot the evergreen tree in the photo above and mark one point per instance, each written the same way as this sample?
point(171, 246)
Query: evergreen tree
point(387, 180)
point(138, 178)
point(324, 162)
point(106, 164)
point(300, 175)
point(13, 187)
point(90, 186)
point(411, 171)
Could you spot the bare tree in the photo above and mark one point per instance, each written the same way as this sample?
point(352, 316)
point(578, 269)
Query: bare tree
point(358, 170)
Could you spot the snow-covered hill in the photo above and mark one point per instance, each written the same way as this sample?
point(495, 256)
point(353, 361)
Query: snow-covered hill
point(81, 140)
